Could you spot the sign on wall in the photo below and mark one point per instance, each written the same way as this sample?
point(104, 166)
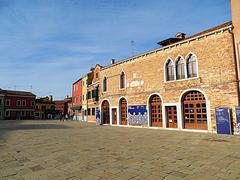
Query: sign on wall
point(98, 117)
point(137, 114)
point(238, 119)
point(223, 121)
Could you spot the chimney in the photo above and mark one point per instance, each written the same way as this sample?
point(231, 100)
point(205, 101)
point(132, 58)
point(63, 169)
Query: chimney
point(180, 35)
point(113, 61)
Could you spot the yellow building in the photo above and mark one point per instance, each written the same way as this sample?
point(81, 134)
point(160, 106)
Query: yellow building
point(84, 96)
point(93, 93)
point(45, 108)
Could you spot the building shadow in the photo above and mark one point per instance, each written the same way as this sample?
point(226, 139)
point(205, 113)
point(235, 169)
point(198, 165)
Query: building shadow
point(33, 126)
point(6, 126)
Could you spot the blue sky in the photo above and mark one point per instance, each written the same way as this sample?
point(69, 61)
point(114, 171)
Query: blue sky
point(45, 45)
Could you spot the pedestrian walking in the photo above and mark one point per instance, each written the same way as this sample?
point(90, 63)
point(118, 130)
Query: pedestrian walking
point(66, 116)
point(61, 117)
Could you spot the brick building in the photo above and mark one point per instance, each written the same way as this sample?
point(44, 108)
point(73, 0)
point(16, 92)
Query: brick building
point(179, 84)
point(68, 104)
point(60, 107)
point(77, 99)
point(18, 104)
point(63, 106)
point(93, 94)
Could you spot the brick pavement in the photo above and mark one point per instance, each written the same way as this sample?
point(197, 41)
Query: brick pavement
point(77, 150)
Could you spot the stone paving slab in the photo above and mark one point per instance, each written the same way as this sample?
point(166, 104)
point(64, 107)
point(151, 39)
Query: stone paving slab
point(76, 150)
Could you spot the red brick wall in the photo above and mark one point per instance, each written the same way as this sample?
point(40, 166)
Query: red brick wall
point(16, 111)
point(77, 93)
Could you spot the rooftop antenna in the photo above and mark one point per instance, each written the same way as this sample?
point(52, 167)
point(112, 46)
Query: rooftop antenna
point(132, 46)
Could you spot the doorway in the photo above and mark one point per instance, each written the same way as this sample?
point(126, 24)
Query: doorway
point(171, 114)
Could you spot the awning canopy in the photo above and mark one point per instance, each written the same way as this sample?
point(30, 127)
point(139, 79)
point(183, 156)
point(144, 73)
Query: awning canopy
point(76, 107)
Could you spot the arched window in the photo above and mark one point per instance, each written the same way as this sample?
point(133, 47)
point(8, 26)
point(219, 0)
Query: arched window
point(180, 69)
point(169, 71)
point(191, 66)
point(104, 84)
point(122, 80)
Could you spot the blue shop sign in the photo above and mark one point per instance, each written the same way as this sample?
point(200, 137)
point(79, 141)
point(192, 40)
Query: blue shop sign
point(137, 114)
point(223, 121)
point(238, 119)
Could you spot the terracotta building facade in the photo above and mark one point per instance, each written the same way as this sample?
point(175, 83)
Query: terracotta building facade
point(18, 105)
point(77, 99)
point(176, 86)
point(93, 94)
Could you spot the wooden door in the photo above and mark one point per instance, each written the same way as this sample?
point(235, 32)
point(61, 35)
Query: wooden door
point(156, 111)
point(171, 116)
point(123, 111)
point(195, 111)
point(105, 112)
point(114, 116)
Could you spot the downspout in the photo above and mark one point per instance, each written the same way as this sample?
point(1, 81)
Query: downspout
point(87, 102)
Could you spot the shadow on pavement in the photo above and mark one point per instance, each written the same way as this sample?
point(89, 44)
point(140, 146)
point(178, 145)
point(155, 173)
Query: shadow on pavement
point(6, 126)
point(32, 126)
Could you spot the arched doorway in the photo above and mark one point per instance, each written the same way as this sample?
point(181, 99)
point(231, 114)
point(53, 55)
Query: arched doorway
point(155, 111)
point(194, 110)
point(123, 111)
point(105, 112)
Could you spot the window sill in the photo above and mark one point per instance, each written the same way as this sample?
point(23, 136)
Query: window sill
point(122, 89)
point(179, 80)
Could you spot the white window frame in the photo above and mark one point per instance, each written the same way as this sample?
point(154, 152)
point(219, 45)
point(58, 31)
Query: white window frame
point(184, 65)
point(18, 103)
point(186, 59)
point(25, 103)
point(165, 70)
point(9, 102)
point(185, 68)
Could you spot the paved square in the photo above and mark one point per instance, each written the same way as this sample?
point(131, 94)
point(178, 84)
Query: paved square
point(77, 150)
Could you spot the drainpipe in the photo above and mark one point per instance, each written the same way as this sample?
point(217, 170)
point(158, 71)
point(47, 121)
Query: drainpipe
point(87, 107)
point(87, 102)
